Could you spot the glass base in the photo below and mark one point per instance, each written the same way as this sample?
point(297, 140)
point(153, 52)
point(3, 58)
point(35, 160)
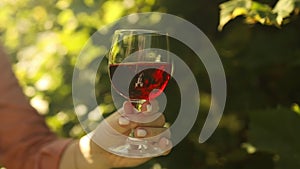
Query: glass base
point(137, 148)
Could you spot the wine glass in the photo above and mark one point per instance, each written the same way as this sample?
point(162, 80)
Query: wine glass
point(139, 67)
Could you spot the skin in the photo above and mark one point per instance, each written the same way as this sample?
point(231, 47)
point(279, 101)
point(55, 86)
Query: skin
point(85, 154)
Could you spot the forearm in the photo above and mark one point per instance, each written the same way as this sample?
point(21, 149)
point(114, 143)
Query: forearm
point(68, 160)
point(25, 140)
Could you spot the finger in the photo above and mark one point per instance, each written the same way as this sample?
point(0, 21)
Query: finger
point(158, 122)
point(150, 107)
point(159, 137)
point(120, 124)
point(128, 109)
point(125, 125)
point(152, 132)
point(109, 132)
point(146, 116)
point(166, 145)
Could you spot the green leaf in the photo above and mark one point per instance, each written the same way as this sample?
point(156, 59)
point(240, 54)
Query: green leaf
point(232, 9)
point(263, 14)
point(284, 8)
point(277, 131)
point(258, 12)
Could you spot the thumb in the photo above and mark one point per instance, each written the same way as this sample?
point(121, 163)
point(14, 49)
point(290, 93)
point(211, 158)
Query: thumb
point(119, 120)
point(114, 129)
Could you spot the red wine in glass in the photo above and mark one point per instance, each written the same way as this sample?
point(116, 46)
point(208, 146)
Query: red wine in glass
point(149, 79)
point(139, 67)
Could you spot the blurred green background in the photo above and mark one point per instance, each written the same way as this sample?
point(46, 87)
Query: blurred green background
point(259, 48)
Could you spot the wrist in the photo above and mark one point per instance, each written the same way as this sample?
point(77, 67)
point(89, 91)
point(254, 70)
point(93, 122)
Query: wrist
point(68, 158)
point(80, 154)
point(89, 155)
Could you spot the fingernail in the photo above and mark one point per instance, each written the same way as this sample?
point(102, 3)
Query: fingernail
point(123, 121)
point(148, 108)
point(141, 132)
point(163, 142)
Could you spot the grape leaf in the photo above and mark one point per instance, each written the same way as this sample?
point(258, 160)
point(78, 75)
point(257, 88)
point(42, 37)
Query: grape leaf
point(284, 8)
point(232, 9)
point(262, 13)
point(277, 131)
point(255, 11)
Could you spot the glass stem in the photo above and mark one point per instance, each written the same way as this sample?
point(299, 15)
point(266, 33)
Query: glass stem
point(140, 105)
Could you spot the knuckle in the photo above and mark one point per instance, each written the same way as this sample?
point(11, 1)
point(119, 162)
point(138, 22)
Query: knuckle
point(161, 120)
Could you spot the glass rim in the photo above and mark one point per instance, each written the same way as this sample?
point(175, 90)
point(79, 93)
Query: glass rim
point(137, 31)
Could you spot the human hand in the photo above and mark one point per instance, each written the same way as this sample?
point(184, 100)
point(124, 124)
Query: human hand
point(87, 154)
